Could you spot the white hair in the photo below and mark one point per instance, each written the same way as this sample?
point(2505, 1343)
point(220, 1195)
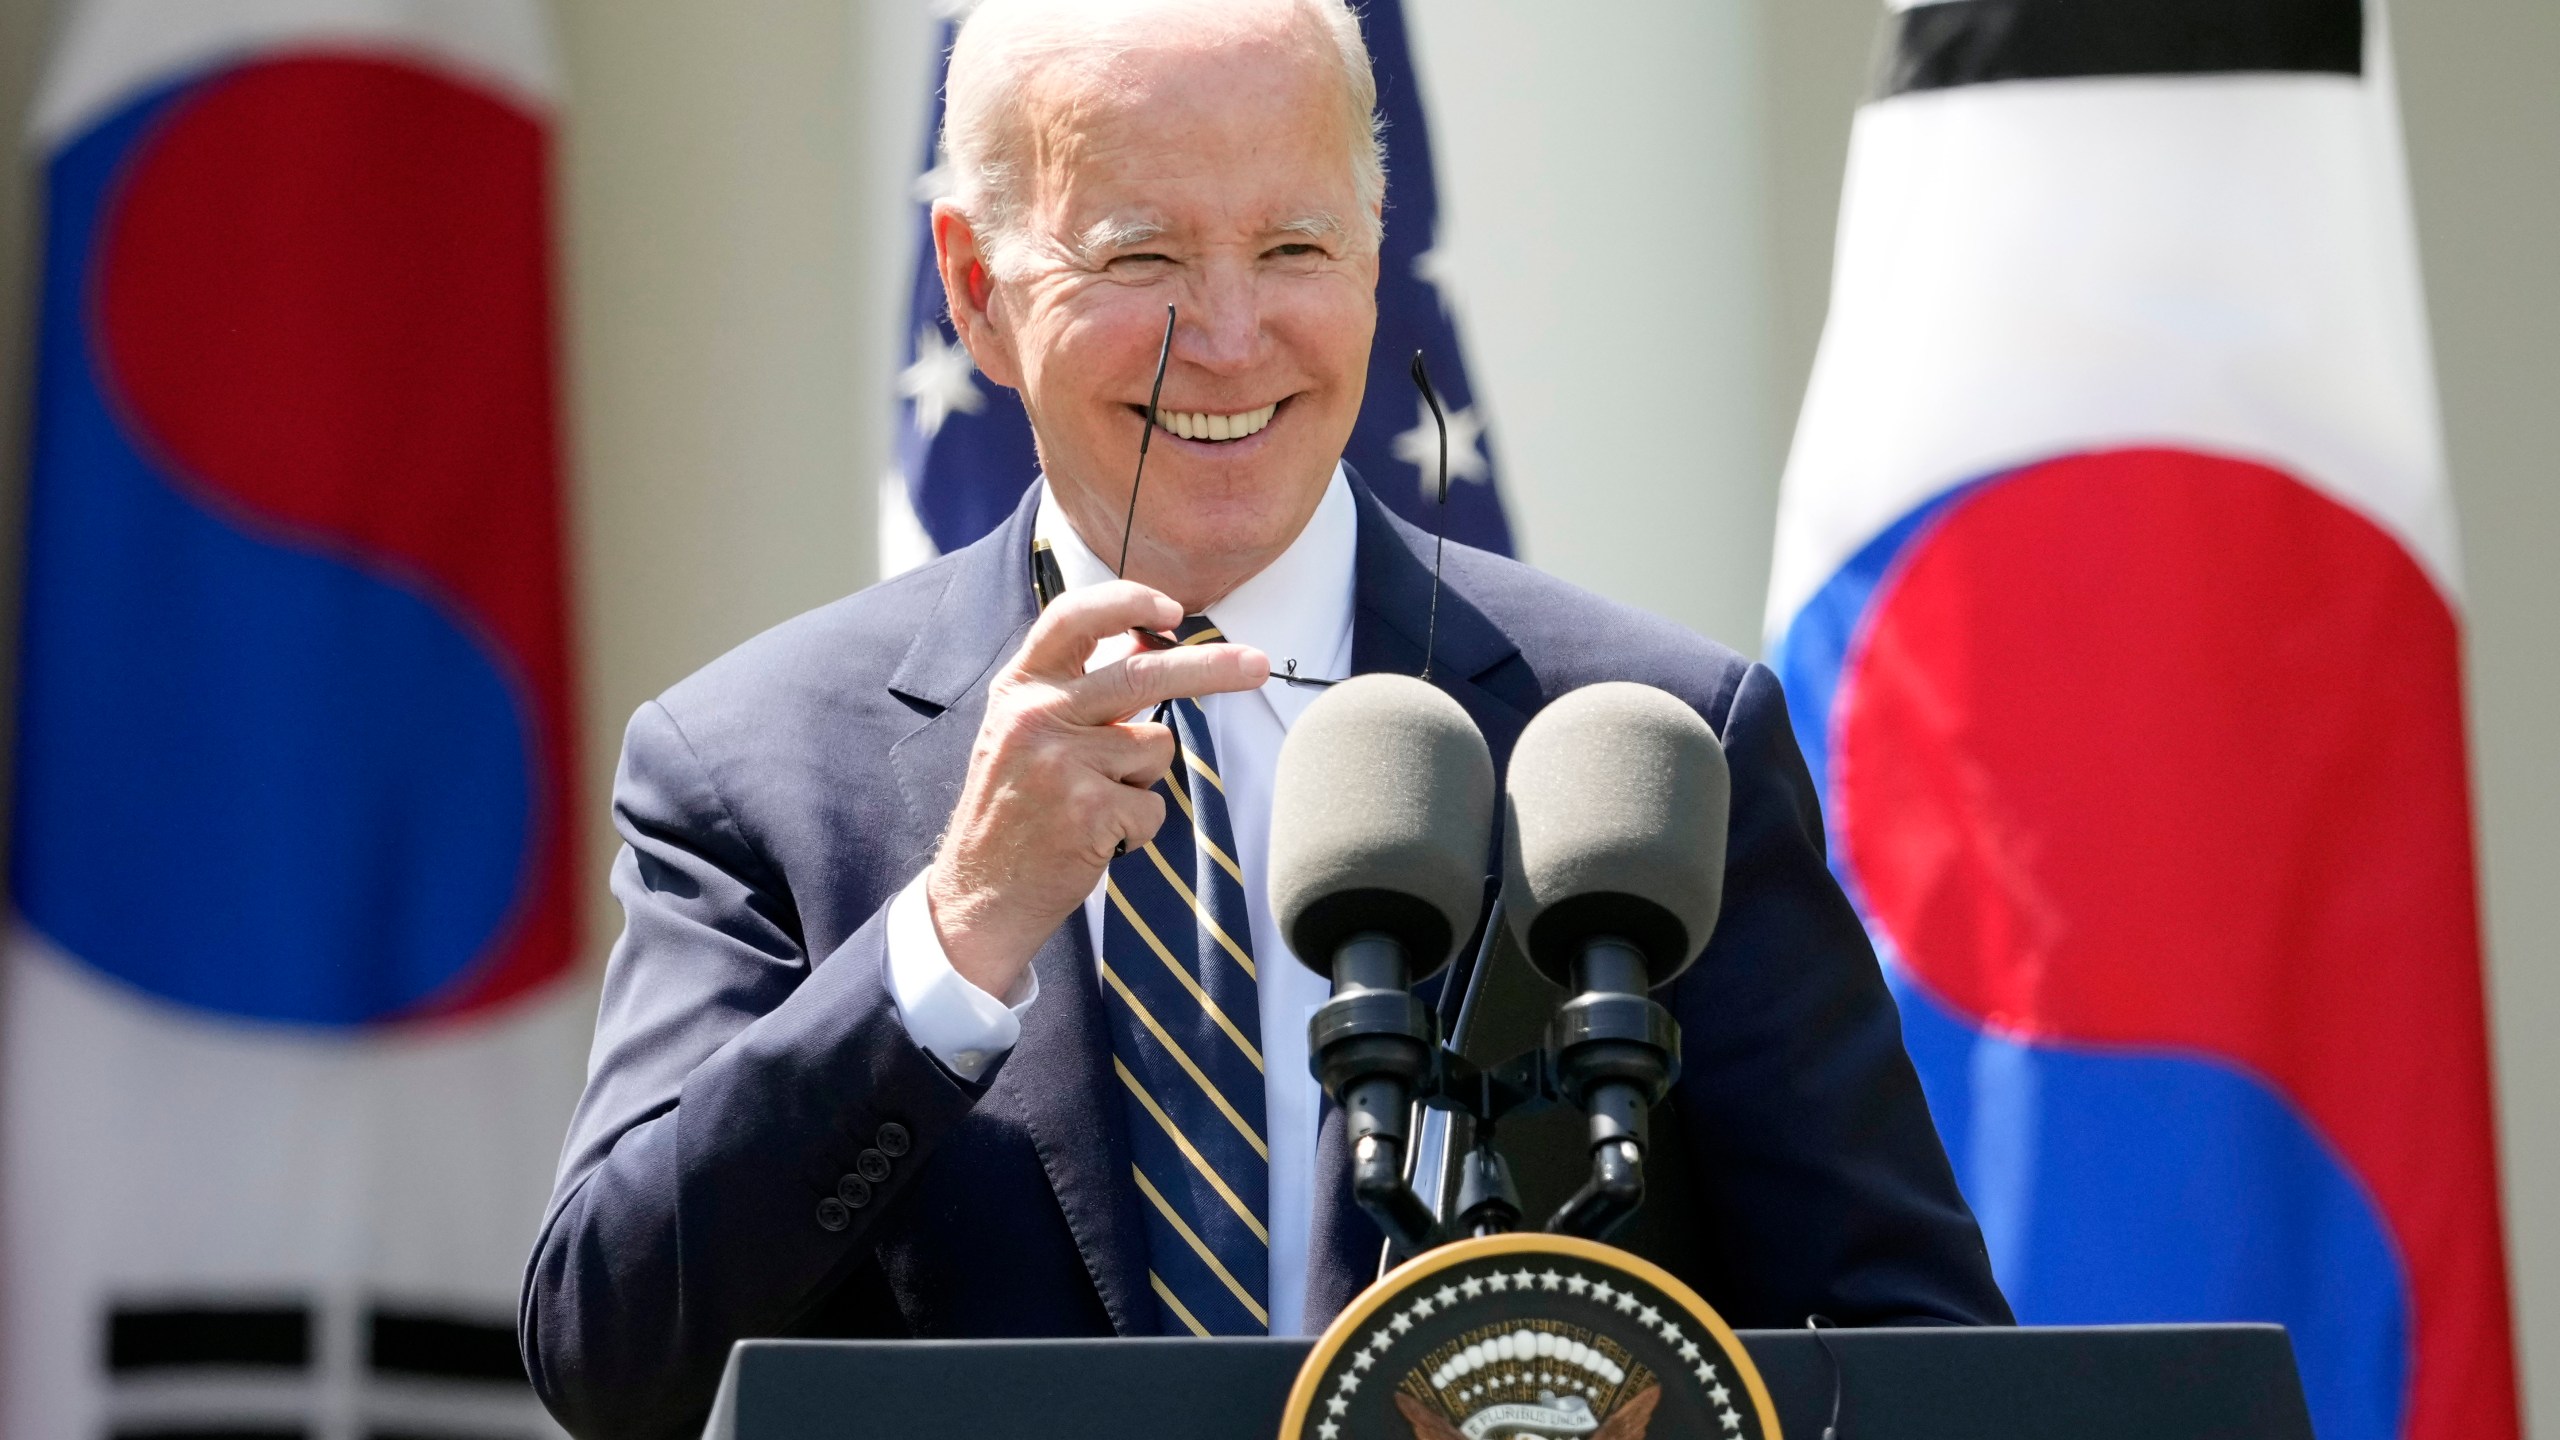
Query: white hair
point(1004, 46)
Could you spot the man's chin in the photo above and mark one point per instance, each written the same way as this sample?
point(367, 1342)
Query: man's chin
point(1211, 502)
point(1231, 527)
point(1243, 495)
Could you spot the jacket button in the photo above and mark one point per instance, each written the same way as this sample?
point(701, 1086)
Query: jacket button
point(833, 1214)
point(871, 1165)
point(854, 1191)
point(893, 1140)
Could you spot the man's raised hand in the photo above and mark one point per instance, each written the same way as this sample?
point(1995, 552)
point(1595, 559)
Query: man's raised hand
point(1062, 775)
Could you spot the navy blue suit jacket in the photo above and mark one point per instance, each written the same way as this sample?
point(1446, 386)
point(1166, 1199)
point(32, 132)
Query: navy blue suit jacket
point(748, 1050)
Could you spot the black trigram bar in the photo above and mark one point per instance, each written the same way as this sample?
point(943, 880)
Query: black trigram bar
point(412, 1343)
point(1972, 42)
point(141, 1338)
point(218, 1432)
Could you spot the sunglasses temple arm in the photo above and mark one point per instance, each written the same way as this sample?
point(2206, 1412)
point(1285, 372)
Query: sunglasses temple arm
point(1155, 397)
point(1440, 520)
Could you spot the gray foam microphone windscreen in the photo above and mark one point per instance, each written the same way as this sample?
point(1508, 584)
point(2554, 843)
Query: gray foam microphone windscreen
point(1381, 817)
point(1617, 802)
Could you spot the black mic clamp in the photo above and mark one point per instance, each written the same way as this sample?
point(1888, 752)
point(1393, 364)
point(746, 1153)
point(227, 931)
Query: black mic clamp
point(1613, 1052)
point(1376, 1049)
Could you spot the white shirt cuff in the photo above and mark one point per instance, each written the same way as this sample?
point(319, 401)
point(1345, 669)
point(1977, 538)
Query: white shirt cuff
point(955, 1022)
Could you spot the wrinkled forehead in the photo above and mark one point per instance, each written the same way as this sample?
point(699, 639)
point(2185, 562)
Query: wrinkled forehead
point(1249, 132)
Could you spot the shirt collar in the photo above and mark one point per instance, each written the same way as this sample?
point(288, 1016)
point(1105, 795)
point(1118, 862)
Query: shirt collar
point(1298, 607)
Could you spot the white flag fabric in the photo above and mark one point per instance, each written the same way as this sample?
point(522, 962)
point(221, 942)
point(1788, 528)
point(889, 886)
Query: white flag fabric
point(286, 1041)
point(2117, 599)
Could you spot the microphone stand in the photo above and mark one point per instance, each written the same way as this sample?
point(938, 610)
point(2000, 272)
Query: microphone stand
point(1611, 1052)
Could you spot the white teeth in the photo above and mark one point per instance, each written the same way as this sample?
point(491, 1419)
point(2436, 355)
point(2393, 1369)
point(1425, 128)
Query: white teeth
point(1202, 425)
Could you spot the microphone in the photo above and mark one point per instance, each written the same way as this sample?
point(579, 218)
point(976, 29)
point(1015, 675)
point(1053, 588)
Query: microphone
point(1381, 817)
point(1613, 871)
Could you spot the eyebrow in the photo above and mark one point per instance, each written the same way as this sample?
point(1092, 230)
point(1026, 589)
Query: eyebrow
point(1320, 224)
point(1115, 233)
point(1112, 233)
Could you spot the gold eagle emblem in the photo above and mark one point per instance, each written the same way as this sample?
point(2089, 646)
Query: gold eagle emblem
point(1627, 1422)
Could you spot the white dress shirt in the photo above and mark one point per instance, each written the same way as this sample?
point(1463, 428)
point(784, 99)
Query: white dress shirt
point(1298, 608)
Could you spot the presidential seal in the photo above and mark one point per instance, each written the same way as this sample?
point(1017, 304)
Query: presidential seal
point(1529, 1337)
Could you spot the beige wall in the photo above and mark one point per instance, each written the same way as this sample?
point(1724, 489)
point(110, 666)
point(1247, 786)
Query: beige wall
point(2480, 85)
point(1598, 190)
point(25, 27)
point(721, 413)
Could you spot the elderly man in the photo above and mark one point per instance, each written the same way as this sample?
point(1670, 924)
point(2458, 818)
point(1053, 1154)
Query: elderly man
point(948, 1003)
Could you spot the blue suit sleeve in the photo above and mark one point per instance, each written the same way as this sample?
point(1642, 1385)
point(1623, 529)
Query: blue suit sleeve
point(733, 1082)
point(1812, 1139)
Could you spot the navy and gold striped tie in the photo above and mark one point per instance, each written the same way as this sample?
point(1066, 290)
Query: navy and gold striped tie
point(1178, 981)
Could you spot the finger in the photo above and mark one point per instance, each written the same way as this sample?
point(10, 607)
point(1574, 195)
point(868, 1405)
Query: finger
point(1065, 634)
point(1128, 686)
point(1135, 817)
point(1117, 818)
point(1135, 753)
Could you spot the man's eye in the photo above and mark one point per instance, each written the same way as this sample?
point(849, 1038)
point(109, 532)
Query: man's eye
point(1143, 257)
point(1296, 248)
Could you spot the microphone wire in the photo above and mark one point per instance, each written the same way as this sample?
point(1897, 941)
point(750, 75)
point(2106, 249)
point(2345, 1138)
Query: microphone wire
point(1817, 1324)
point(1439, 539)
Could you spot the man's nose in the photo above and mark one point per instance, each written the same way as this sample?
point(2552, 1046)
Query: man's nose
point(1220, 329)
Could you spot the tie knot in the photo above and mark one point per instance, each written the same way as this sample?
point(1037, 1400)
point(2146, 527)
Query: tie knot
point(1197, 630)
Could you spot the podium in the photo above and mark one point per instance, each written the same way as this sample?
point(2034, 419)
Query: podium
point(2148, 1382)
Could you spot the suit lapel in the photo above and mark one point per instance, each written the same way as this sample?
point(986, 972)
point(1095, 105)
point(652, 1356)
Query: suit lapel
point(974, 626)
point(1057, 1082)
point(1390, 623)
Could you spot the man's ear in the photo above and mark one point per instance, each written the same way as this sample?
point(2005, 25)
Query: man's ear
point(968, 288)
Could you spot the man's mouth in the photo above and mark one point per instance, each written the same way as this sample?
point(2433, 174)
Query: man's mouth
point(1213, 427)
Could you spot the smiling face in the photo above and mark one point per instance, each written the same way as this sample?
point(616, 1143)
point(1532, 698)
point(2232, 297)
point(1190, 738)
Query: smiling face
point(1213, 174)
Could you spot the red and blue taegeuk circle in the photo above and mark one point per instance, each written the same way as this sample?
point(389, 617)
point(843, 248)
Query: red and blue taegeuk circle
point(294, 733)
point(2146, 769)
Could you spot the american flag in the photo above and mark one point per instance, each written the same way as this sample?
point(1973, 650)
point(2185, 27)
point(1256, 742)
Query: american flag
point(964, 453)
